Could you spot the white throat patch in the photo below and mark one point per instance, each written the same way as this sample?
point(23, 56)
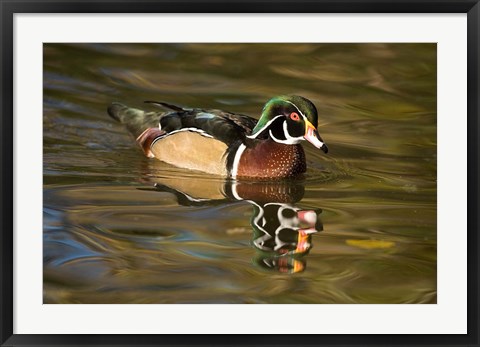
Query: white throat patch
point(289, 140)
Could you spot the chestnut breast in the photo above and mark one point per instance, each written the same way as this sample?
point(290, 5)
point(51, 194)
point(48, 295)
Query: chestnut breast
point(269, 159)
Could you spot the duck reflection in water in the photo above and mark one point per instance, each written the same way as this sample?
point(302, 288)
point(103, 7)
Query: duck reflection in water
point(282, 231)
point(283, 235)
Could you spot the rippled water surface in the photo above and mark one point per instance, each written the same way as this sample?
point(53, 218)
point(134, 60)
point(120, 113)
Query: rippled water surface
point(360, 227)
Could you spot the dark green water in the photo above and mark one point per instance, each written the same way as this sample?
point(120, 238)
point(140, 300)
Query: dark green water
point(118, 228)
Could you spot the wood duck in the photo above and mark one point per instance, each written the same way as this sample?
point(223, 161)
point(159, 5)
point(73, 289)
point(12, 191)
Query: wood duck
point(224, 143)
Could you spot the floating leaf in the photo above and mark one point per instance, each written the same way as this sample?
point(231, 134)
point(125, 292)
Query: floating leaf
point(371, 244)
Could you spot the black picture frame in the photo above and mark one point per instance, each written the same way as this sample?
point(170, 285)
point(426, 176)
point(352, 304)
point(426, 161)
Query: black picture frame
point(10, 7)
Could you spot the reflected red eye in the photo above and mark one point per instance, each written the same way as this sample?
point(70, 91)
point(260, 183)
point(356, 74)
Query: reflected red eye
point(294, 116)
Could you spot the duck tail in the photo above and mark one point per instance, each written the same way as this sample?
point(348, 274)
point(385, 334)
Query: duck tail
point(135, 120)
point(116, 111)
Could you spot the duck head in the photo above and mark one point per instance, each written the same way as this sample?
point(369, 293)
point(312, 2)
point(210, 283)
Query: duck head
point(289, 120)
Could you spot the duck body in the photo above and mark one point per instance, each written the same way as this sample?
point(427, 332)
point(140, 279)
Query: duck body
point(224, 143)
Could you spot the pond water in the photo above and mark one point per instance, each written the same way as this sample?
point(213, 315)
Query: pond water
point(359, 227)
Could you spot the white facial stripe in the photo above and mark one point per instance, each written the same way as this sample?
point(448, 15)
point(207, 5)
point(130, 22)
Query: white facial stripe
point(291, 103)
point(236, 160)
point(287, 134)
point(285, 131)
point(266, 126)
point(289, 140)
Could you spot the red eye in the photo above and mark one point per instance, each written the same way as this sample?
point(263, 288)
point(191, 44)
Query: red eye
point(294, 116)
